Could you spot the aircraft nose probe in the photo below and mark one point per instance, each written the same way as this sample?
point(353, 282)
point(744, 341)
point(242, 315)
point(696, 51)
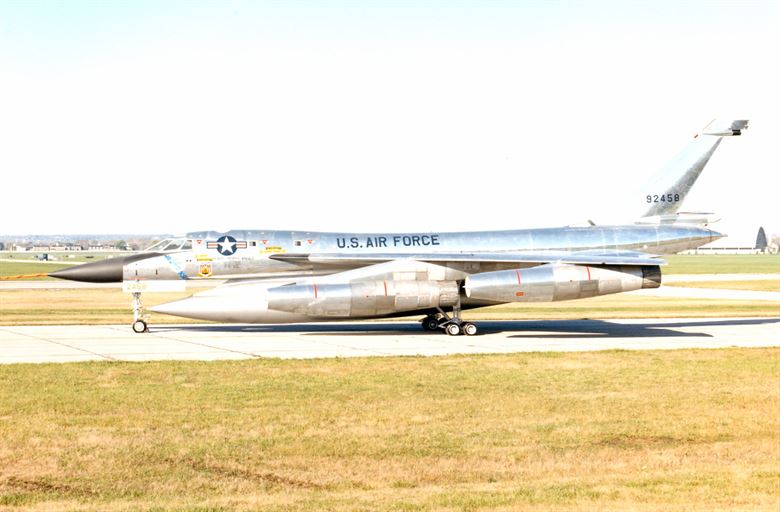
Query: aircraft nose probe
point(103, 271)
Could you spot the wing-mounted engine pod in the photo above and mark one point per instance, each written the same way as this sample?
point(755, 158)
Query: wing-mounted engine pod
point(555, 282)
point(362, 298)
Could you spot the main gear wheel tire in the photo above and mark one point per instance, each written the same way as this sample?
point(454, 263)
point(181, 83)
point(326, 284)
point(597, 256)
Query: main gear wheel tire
point(469, 329)
point(140, 326)
point(452, 329)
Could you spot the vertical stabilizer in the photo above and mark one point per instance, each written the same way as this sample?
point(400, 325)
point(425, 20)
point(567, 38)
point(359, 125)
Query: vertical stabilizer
point(665, 193)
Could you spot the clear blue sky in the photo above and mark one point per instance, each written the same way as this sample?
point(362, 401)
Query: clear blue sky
point(181, 116)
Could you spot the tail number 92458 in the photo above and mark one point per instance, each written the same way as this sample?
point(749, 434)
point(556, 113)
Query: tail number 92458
point(663, 198)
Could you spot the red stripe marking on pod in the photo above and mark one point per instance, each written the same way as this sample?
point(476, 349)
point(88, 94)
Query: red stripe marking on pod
point(518, 276)
point(385, 288)
point(315, 291)
point(588, 269)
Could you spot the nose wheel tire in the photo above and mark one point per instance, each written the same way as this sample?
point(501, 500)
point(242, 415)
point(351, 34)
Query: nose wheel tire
point(140, 326)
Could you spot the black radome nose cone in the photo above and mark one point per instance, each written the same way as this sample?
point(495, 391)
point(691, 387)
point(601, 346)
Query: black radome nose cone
point(104, 271)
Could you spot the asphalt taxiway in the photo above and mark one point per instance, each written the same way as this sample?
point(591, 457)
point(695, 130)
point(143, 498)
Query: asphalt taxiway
point(59, 343)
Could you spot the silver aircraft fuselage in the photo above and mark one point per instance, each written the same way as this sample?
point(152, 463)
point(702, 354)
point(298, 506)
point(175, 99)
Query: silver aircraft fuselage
point(267, 253)
point(257, 299)
point(658, 239)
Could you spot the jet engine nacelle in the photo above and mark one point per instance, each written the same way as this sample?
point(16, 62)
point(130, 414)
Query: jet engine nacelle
point(553, 282)
point(362, 298)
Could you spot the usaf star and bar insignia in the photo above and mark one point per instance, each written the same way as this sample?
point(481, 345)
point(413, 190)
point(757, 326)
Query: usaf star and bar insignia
point(227, 245)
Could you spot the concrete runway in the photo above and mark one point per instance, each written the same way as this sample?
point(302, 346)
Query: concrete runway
point(38, 344)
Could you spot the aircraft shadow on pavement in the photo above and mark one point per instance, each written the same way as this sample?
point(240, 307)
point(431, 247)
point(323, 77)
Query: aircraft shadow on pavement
point(559, 329)
point(578, 329)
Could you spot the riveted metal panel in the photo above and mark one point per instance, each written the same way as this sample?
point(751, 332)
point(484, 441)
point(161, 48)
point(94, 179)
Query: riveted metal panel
point(362, 298)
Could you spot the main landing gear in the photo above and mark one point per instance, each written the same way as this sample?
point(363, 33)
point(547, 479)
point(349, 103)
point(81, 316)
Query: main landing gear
point(453, 326)
point(139, 322)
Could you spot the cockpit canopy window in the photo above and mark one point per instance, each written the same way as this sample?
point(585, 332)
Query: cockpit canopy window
point(175, 245)
point(171, 245)
point(158, 246)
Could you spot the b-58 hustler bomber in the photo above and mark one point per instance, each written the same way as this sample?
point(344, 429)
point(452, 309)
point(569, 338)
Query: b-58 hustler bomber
point(292, 276)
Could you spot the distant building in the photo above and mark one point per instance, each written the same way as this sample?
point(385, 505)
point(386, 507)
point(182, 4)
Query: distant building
point(55, 248)
point(723, 250)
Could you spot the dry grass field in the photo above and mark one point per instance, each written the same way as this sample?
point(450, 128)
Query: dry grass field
point(648, 431)
point(76, 306)
point(16, 268)
point(763, 285)
point(722, 264)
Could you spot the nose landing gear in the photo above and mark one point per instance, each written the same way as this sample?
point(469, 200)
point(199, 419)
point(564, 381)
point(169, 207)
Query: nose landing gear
point(140, 326)
point(139, 322)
